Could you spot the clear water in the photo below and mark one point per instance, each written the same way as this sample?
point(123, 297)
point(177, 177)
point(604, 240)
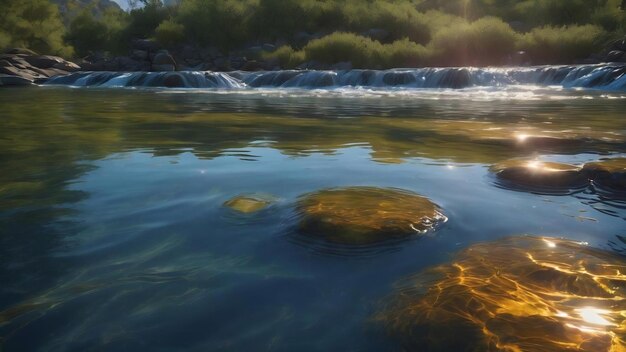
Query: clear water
point(113, 233)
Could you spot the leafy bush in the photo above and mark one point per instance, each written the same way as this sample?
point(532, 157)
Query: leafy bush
point(169, 33)
point(364, 52)
point(487, 41)
point(562, 44)
point(34, 24)
point(90, 34)
point(286, 56)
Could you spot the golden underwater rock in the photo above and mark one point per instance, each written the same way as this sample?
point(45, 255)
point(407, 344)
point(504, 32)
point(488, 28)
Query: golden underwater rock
point(540, 174)
point(515, 294)
point(365, 215)
point(250, 203)
point(608, 173)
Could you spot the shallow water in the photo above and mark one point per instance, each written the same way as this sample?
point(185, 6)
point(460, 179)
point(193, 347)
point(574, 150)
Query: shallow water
point(114, 236)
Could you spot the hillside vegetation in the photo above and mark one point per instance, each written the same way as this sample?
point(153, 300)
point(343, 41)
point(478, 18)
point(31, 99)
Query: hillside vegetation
point(367, 33)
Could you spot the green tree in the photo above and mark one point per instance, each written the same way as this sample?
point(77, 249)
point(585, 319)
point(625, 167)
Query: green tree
point(35, 24)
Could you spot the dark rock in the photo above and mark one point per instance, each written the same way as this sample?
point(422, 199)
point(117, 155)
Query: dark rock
point(222, 64)
point(146, 45)
point(10, 80)
point(252, 65)
point(43, 61)
point(342, 66)
point(173, 80)
point(268, 47)
point(537, 175)
point(139, 55)
point(163, 61)
point(66, 66)
point(5, 63)
point(616, 56)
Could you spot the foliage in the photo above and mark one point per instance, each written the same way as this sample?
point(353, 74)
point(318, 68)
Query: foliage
point(170, 33)
point(87, 33)
point(286, 56)
point(562, 44)
point(486, 41)
point(35, 24)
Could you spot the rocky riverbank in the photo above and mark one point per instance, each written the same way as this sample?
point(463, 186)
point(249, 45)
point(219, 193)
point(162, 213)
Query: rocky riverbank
point(20, 66)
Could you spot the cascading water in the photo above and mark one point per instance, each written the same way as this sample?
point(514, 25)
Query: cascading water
point(606, 77)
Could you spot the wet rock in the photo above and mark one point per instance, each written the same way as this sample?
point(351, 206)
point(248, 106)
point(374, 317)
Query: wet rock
point(342, 66)
point(609, 174)
point(364, 215)
point(538, 175)
point(66, 66)
point(616, 56)
point(173, 80)
point(163, 61)
point(44, 61)
point(248, 204)
point(10, 80)
point(515, 294)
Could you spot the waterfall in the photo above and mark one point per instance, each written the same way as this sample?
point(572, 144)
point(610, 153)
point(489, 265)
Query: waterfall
point(608, 77)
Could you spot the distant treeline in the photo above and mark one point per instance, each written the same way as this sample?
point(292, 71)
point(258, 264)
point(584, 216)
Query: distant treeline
point(368, 33)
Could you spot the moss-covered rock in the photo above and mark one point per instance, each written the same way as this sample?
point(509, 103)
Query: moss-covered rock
point(540, 174)
point(250, 203)
point(364, 215)
point(609, 174)
point(515, 294)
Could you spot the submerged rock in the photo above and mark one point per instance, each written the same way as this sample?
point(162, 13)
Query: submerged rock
point(609, 174)
point(363, 215)
point(540, 174)
point(515, 294)
point(250, 203)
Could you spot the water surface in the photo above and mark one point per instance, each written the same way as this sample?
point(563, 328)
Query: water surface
point(114, 236)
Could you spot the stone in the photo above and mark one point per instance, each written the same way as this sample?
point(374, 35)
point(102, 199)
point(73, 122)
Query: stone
point(163, 68)
point(366, 215)
point(10, 80)
point(163, 61)
point(520, 293)
point(248, 204)
point(145, 44)
point(268, 47)
point(43, 61)
point(252, 65)
point(539, 175)
point(139, 55)
point(67, 66)
point(616, 56)
point(608, 174)
point(342, 66)
point(173, 80)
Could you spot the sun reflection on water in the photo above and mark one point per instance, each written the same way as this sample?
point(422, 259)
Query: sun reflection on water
point(517, 294)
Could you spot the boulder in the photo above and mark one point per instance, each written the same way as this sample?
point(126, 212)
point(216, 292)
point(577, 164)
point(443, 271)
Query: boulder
point(146, 45)
point(10, 80)
point(43, 61)
point(366, 215)
point(515, 294)
point(250, 203)
point(163, 61)
point(608, 174)
point(616, 56)
point(538, 175)
point(139, 55)
point(342, 66)
point(66, 66)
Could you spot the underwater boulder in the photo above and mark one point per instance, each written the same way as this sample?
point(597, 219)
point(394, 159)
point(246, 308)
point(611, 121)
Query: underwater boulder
point(609, 174)
point(515, 294)
point(250, 203)
point(539, 175)
point(365, 215)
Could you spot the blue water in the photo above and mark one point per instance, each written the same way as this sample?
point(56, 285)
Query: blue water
point(114, 236)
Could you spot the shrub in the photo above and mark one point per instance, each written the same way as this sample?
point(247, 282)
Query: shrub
point(286, 56)
point(487, 41)
point(405, 53)
point(35, 24)
point(169, 33)
point(562, 44)
point(89, 34)
point(337, 47)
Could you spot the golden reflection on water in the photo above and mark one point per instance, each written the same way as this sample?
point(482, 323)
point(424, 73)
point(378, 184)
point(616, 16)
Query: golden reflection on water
point(515, 294)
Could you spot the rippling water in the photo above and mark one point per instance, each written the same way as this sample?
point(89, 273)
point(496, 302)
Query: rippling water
point(114, 234)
